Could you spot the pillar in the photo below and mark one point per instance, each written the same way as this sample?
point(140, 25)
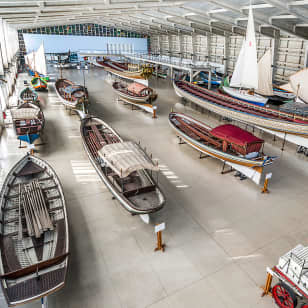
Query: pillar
point(226, 53)
point(275, 46)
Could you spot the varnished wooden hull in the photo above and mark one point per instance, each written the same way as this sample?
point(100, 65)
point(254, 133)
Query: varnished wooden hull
point(19, 280)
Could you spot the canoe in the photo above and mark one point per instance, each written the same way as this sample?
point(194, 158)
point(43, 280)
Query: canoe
point(39, 84)
point(71, 94)
point(123, 166)
point(288, 126)
point(28, 122)
point(240, 149)
point(34, 232)
point(135, 92)
point(28, 95)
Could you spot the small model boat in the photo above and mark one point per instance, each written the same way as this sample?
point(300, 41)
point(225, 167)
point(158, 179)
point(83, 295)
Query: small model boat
point(39, 83)
point(135, 92)
point(34, 232)
point(123, 166)
point(70, 93)
point(28, 95)
point(28, 121)
point(240, 149)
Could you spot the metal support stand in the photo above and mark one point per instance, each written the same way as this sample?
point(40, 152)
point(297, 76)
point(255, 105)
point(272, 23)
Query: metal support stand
point(227, 171)
point(181, 142)
point(203, 156)
point(284, 141)
point(44, 302)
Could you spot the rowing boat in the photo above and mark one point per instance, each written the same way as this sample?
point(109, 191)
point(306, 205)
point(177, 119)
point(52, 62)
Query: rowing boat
point(70, 93)
point(28, 121)
point(288, 126)
point(123, 166)
point(135, 92)
point(240, 149)
point(28, 95)
point(34, 232)
point(39, 84)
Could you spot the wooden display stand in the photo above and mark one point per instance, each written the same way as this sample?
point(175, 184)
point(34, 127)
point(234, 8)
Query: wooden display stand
point(158, 229)
point(265, 189)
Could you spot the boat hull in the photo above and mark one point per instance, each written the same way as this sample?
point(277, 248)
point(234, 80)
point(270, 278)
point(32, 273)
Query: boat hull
point(253, 99)
point(288, 129)
point(67, 102)
point(251, 168)
point(119, 196)
point(22, 286)
point(39, 84)
point(31, 136)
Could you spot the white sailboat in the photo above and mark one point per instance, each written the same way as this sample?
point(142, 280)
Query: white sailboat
point(245, 78)
point(36, 61)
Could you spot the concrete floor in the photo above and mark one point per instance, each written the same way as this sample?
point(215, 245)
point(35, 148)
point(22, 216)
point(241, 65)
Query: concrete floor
point(221, 232)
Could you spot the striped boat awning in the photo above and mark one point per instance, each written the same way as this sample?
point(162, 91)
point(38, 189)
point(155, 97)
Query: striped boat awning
point(126, 157)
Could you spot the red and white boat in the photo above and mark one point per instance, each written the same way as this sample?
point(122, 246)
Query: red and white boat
point(234, 146)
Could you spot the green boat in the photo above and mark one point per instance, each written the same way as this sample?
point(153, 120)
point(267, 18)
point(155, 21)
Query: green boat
point(39, 84)
point(28, 95)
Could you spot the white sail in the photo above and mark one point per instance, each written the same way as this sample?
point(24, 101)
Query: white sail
point(265, 75)
point(40, 61)
point(236, 80)
point(247, 76)
point(299, 83)
point(29, 59)
point(287, 87)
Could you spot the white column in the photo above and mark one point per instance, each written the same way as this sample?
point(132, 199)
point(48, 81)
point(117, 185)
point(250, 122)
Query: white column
point(275, 46)
point(208, 46)
point(226, 53)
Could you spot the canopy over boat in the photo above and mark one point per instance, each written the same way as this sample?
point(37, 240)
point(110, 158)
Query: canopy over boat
point(126, 157)
point(245, 74)
point(241, 140)
point(136, 88)
point(25, 113)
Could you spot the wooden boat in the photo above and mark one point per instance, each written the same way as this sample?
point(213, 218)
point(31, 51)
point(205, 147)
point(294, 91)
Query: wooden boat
point(70, 93)
point(123, 166)
point(28, 95)
point(290, 127)
point(229, 143)
point(34, 232)
point(39, 84)
point(131, 72)
point(135, 92)
point(28, 121)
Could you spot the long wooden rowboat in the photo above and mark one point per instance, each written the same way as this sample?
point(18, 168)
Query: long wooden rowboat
point(39, 84)
point(135, 92)
point(291, 127)
point(124, 168)
point(34, 232)
point(28, 122)
point(232, 145)
point(28, 95)
point(117, 71)
point(70, 93)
